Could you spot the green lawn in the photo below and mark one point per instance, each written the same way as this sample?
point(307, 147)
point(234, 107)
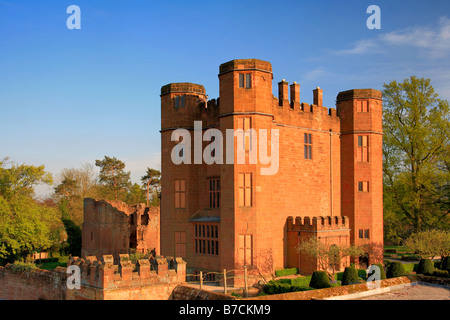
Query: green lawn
point(62, 262)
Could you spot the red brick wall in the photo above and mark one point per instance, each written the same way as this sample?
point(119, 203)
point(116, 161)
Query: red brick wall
point(33, 285)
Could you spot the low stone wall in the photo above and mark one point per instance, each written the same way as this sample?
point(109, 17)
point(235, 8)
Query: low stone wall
point(32, 285)
point(183, 292)
point(336, 292)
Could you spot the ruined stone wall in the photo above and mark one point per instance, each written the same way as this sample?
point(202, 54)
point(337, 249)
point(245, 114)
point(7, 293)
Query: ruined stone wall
point(147, 279)
point(113, 227)
point(32, 285)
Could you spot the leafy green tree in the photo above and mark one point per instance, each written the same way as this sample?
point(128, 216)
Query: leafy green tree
point(328, 256)
point(135, 195)
point(415, 155)
point(74, 186)
point(113, 176)
point(19, 180)
point(151, 179)
point(26, 226)
point(429, 243)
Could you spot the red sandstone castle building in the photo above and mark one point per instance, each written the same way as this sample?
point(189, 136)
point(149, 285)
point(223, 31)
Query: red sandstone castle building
point(328, 183)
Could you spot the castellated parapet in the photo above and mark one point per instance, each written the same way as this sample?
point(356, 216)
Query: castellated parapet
point(106, 275)
point(324, 223)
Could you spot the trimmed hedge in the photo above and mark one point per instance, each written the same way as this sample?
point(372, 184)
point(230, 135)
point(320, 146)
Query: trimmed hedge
point(277, 287)
point(286, 272)
point(446, 264)
point(350, 276)
point(382, 272)
point(320, 280)
point(395, 269)
point(425, 266)
point(441, 273)
point(409, 267)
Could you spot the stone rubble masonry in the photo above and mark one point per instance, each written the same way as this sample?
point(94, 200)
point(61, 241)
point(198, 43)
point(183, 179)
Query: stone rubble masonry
point(32, 285)
point(114, 227)
point(148, 279)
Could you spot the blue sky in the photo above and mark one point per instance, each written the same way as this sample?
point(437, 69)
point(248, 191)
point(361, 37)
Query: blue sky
point(69, 97)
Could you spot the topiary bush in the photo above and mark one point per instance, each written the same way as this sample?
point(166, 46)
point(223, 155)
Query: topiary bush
point(382, 272)
point(441, 273)
point(395, 270)
point(362, 273)
point(426, 267)
point(277, 287)
point(350, 276)
point(446, 264)
point(320, 280)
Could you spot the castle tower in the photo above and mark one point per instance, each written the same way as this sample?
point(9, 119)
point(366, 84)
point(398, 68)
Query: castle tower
point(360, 111)
point(246, 103)
point(181, 105)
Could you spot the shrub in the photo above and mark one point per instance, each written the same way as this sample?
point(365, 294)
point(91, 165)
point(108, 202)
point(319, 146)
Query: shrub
point(396, 269)
point(441, 273)
point(285, 272)
point(362, 273)
point(411, 257)
point(300, 288)
point(320, 280)
point(301, 281)
point(350, 276)
point(382, 273)
point(425, 266)
point(22, 266)
point(409, 267)
point(276, 287)
point(446, 264)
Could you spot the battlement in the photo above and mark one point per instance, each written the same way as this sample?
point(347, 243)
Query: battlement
point(105, 274)
point(183, 87)
point(359, 94)
point(317, 224)
point(291, 102)
point(245, 64)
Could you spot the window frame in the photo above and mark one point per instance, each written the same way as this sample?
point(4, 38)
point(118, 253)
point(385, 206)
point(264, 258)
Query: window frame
point(245, 190)
point(213, 186)
point(307, 142)
point(179, 194)
point(206, 238)
point(245, 80)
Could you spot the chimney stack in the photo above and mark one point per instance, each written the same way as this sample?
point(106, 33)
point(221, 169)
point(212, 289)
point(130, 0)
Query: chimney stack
point(318, 96)
point(295, 93)
point(283, 93)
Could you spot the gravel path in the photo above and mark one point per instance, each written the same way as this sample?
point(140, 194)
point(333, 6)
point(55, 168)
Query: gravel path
point(414, 292)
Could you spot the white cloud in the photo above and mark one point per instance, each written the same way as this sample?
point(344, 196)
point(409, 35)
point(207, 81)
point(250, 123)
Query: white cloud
point(434, 42)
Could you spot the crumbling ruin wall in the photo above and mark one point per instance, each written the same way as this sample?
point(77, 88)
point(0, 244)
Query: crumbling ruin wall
point(113, 227)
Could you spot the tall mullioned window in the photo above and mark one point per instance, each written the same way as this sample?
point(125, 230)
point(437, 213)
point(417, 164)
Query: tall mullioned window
point(245, 189)
point(362, 106)
point(180, 194)
point(363, 149)
point(308, 145)
point(245, 80)
point(206, 237)
point(214, 192)
point(179, 101)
